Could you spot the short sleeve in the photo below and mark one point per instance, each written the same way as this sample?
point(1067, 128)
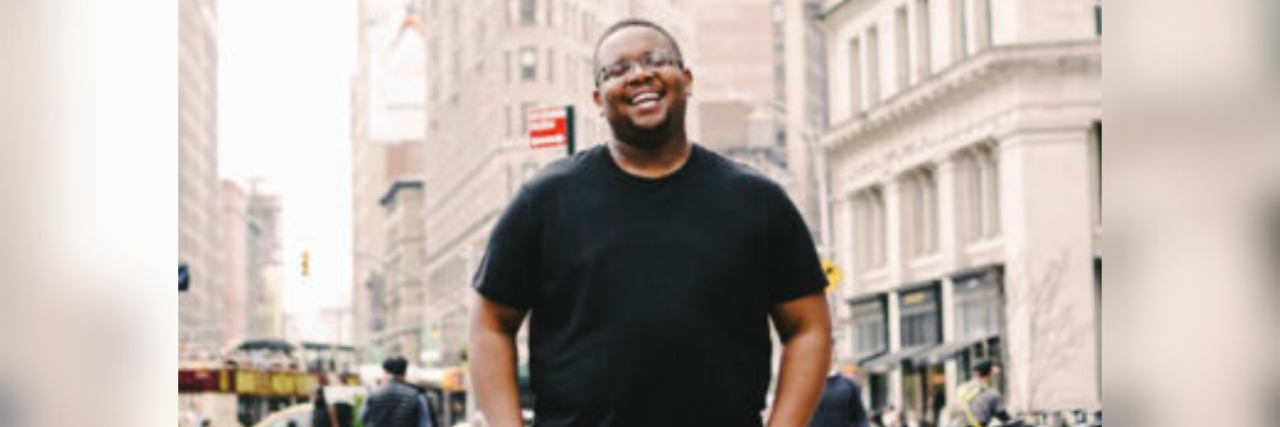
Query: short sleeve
point(509, 267)
point(796, 271)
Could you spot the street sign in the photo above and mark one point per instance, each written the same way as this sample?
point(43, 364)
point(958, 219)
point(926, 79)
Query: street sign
point(834, 274)
point(551, 127)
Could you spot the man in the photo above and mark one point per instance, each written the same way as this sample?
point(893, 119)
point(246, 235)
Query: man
point(979, 401)
point(841, 403)
point(396, 404)
point(650, 269)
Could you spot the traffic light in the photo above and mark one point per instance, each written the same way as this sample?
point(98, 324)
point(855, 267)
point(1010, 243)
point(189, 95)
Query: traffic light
point(306, 264)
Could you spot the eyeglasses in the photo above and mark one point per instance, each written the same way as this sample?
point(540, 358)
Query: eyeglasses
point(648, 62)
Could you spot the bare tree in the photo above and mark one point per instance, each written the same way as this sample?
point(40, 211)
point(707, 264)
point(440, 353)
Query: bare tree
point(1049, 324)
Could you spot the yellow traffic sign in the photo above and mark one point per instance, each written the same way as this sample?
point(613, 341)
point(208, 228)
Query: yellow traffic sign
point(834, 274)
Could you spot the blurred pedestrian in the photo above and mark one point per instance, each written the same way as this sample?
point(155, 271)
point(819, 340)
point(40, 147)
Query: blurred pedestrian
point(397, 403)
point(979, 402)
point(841, 403)
point(651, 268)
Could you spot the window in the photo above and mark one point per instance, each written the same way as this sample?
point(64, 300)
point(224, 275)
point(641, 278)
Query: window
point(550, 13)
point(528, 12)
point(1097, 18)
point(920, 212)
point(979, 179)
point(870, 332)
point(506, 68)
point(958, 31)
point(1096, 166)
point(923, 68)
point(921, 321)
point(903, 54)
point(551, 66)
point(982, 23)
point(507, 113)
point(869, 229)
point(524, 118)
point(873, 67)
point(979, 305)
point(855, 77)
point(528, 64)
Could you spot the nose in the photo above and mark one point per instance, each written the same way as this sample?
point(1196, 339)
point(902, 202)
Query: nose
point(638, 73)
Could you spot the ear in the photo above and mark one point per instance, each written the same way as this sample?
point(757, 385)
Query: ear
point(598, 99)
point(688, 86)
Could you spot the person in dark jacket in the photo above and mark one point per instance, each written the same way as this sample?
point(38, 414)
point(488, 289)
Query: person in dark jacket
point(396, 404)
point(841, 403)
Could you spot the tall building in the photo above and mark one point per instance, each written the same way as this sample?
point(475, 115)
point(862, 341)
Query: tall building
point(264, 303)
point(199, 324)
point(964, 157)
point(388, 104)
point(489, 62)
point(237, 233)
point(401, 302)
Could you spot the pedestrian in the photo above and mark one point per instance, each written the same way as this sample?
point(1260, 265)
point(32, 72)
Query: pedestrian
point(323, 414)
point(396, 403)
point(841, 403)
point(979, 402)
point(650, 268)
point(891, 417)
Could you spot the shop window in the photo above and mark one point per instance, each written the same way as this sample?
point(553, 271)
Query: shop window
point(979, 305)
point(869, 327)
point(921, 317)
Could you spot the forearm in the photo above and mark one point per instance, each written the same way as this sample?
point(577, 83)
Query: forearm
point(493, 373)
point(805, 359)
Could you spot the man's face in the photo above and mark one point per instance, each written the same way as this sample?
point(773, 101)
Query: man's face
point(645, 96)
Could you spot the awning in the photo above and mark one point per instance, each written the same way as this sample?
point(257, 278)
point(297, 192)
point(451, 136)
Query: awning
point(889, 361)
point(941, 353)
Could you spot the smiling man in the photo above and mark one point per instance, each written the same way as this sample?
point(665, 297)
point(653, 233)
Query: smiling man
point(650, 269)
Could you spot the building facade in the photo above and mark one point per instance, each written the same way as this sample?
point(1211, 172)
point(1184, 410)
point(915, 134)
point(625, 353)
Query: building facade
point(264, 305)
point(199, 324)
point(237, 232)
point(489, 62)
point(964, 157)
point(388, 103)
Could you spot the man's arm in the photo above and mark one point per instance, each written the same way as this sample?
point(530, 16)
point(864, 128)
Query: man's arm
point(805, 328)
point(493, 361)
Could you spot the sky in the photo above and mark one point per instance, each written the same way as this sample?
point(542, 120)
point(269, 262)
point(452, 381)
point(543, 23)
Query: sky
point(284, 118)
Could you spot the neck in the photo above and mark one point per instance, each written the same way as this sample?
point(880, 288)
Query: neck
point(663, 159)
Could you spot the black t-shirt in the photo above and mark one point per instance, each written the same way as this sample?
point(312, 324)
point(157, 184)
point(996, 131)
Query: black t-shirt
point(649, 299)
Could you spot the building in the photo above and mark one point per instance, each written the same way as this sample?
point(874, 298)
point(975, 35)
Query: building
point(401, 296)
point(963, 154)
point(388, 104)
point(199, 324)
point(489, 62)
point(237, 232)
point(266, 279)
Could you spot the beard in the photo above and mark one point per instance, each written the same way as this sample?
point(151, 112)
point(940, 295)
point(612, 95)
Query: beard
point(647, 138)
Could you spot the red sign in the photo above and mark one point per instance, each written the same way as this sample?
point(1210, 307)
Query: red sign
point(550, 126)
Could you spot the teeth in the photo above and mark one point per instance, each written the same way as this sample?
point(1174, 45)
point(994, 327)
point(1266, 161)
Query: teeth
point(644, 97)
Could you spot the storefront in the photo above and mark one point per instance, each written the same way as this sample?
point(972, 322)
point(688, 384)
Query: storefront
point(923, 381)
point(871, 340)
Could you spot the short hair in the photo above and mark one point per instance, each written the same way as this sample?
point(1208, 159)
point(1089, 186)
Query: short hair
point(395, 365)
point(982, 367)
point(628, 23)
